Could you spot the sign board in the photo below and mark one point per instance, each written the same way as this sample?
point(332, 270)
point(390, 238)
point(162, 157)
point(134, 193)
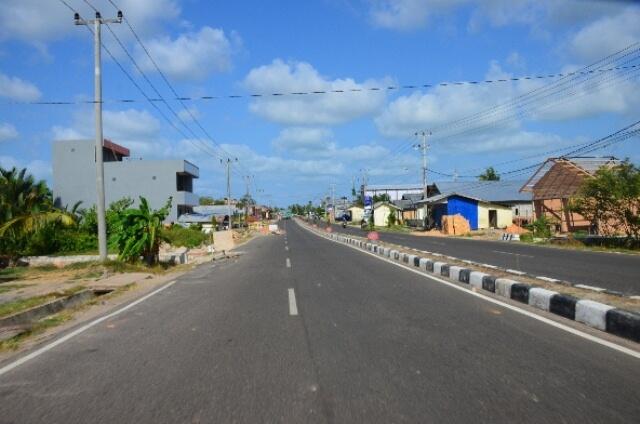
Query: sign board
point(368, 201)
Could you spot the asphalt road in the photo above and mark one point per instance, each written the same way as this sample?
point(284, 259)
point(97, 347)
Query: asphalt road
point(613, 271)
point(372, 343)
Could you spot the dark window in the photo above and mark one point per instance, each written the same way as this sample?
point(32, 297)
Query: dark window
point(184, 182)
point(182, 209)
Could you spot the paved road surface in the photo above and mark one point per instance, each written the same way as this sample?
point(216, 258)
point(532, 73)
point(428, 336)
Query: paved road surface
point(372, 343)
point(613, 271)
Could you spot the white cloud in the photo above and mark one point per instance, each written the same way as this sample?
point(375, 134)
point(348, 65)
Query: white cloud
point(310, 109)
point(441, 108)
point(442, 105)
point(540, 15)
point(189, 114)
point(133, 128)
point(408, 14)
point(38, 21)
point(193, 55)
point(18, 89)
point(304, 139)
point(7, 132)
point(606, 35)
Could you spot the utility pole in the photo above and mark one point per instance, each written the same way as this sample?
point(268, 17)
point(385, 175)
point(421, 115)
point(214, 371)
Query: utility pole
point(100, 204)
point(228, 162)
point(333, 200)
point(247, 180)
point(423, 147)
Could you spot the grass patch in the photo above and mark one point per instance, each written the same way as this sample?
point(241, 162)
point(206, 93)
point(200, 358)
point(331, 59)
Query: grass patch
point(20, 305)
point(8, 287)
point(37, 328)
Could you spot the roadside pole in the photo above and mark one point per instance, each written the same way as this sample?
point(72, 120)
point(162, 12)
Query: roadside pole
point(100, 203)
point(423, 147)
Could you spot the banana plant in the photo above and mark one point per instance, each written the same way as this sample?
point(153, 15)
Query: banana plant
point(136, 232)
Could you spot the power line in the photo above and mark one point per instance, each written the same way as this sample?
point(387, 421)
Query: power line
point(321, 92)
point(168, 83)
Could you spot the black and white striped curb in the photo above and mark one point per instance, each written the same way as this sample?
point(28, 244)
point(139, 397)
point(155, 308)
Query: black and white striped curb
point(594, 314)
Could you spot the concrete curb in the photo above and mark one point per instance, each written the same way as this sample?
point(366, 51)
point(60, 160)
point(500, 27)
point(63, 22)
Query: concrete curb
point(37, 312)
point(596, 315)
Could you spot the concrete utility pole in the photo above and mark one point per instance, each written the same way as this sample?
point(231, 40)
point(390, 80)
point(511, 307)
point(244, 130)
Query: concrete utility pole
point(333, 201)
point(100, 204)
point(423, 147)
point(228, 162)
point(247, 181)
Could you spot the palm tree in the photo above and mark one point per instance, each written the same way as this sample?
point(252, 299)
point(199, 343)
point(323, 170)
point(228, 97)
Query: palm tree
point(26, 206)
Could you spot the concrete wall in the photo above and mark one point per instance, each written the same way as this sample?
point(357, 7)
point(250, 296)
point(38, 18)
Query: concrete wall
point(504, 215)
point(74, 178)
point(381, 213)
point(356, 214)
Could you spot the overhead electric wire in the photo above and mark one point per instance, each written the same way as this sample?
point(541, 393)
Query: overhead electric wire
point(137, 86)
point(315, 93)
point(168, 83)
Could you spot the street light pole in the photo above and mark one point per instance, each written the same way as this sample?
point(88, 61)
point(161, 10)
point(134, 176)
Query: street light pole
point(100, 203)
point(424, 147)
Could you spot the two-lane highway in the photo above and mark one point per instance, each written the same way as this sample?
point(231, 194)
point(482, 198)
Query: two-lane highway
point(301, 329)
point(612, 271)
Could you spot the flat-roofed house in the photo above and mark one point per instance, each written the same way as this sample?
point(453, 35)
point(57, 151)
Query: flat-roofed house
point(74, 177)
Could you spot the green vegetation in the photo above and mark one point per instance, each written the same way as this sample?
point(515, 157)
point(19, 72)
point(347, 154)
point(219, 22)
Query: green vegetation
point(611, 201)
point(384, 197)
point(540, 228)
point(489, 174)
point(391, 220)
point(20, 305)
point(27, 214)
point(136, 232)
point(185, 237)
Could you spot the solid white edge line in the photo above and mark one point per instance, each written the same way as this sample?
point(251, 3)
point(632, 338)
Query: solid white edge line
point(82, 329)
point(293, 307)
point(552, 323)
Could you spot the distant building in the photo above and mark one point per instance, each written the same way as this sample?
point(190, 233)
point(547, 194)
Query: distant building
point(381, 212)
point(480, 213)
point(556, 181)
point(74, 177)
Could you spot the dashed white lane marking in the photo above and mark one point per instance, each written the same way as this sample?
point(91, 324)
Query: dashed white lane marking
point(288, 263)
point(584, 286)
point(513, 308)
point(511, 253)
point(286, 248)
point(293, 308)
point(82, 329)
point(551, 280)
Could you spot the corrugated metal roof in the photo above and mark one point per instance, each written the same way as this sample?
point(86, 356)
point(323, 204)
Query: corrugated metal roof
point(488, 191)
point(215, 209)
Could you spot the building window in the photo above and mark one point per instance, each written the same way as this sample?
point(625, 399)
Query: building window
point(113, 179)
point(184, 182)
point(182, 209)
point(517, 212)
point(153, 178)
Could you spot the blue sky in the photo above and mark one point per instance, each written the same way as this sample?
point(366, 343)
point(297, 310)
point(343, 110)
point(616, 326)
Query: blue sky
point(296, 146)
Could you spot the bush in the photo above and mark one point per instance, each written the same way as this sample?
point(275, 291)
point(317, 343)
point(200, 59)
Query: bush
point(541, 227)
point(185, 237)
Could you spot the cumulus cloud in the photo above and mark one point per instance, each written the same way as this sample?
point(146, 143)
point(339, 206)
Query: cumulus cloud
point(133, 128)
point(318, 109)
point(606, 35)
point(440, 108)
point(7, 132)
point(192, 55)
point(18, 89)
point(38, 22)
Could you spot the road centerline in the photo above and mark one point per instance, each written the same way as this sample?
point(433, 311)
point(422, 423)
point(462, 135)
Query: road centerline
point(293, 307)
